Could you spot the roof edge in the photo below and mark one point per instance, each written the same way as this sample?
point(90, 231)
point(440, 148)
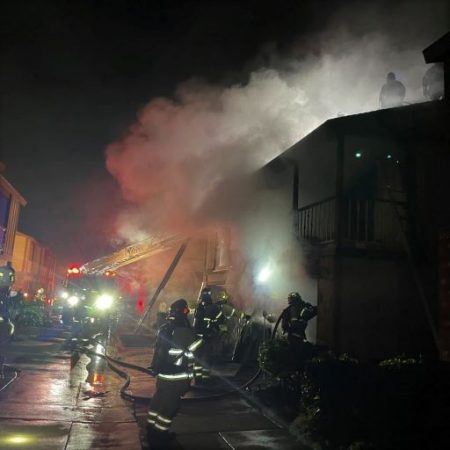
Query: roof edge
point(438, 51)
point(9, 187)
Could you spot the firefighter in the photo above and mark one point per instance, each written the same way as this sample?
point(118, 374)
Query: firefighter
point(200, 319)
point(433, 82)
point(7, 278)
point(208, 319)
point(295, 317)
point(392, 93)
point(172, 364)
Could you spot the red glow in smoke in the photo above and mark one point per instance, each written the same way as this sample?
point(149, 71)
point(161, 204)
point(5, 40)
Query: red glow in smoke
point(140, 304)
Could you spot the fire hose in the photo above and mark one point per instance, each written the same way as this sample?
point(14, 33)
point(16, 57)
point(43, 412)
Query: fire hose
point(6, 333)
point(113, 364)
point(12, 379)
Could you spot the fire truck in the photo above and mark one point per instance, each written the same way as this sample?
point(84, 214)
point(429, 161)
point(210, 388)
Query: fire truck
point(91, 289)
point(89, 299)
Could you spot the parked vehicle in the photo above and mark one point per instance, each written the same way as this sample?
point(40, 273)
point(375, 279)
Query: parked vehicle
point(90, 300)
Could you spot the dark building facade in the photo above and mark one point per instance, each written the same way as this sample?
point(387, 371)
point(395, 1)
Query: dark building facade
point(35, 266)
point(10, 203)
point(370, 201)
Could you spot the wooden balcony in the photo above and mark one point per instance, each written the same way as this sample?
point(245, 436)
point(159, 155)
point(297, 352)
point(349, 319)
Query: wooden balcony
point(364, 223)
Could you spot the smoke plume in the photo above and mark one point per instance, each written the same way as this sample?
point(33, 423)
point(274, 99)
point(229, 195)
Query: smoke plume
point(180, 149)
point(183, 153)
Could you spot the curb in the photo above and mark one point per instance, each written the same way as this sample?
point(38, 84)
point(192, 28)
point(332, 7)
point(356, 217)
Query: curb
point(264, 410)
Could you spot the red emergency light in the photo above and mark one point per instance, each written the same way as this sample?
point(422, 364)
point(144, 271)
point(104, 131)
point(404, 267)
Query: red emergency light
point(73, 271)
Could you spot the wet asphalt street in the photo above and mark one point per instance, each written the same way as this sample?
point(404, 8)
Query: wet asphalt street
point(68, 401)
point(57, 402)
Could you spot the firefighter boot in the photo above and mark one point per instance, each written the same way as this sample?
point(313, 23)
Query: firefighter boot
point(160, 439)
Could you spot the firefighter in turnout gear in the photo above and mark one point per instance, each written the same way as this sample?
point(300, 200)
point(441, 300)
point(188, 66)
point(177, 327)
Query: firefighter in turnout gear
point(295, 317)
point(7, 278)
point(392, 93)
point(208, 318)
point(173, 364)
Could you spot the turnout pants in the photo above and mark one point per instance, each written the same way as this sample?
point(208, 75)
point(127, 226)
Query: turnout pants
point(4, 298)
point(165, 403)
point(203, 362)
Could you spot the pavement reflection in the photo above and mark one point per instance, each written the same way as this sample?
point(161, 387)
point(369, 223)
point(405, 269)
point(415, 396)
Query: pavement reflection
point(48, 406)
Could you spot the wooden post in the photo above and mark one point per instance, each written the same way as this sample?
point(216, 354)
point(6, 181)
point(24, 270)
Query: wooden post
point(163, 283)
point(338, 273)
point(295, 199)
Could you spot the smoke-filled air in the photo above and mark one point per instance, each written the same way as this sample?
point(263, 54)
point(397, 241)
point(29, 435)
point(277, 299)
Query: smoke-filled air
point(181, 149)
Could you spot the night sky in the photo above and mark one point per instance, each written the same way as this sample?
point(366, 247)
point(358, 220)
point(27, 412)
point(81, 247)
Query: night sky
point(74, 74)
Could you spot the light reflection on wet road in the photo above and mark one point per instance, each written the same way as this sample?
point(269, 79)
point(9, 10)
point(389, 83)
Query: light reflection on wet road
point(63, 401)
point(67, 400)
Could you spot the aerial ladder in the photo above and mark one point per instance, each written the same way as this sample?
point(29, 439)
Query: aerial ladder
point(215, 270)
point(132, 253)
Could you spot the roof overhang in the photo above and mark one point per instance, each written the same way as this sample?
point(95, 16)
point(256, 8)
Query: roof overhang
point(422, 120)
point(438, 51)
point(8, 187)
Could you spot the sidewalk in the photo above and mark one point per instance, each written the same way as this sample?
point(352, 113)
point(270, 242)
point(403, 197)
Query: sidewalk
point(64, 401)
point(225, 422)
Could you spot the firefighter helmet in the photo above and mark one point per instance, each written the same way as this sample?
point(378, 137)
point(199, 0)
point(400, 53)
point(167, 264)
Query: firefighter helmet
point(294, 297)
point(206, 291)
point(206, 296)
point(179, 308)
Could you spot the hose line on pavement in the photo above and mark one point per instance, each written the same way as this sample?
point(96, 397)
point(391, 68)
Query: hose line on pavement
point(6, 335)
point(13, 378)
point(113, 363)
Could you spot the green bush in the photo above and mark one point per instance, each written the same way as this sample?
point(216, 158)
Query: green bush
point(30, 314)
point(343, 403)
point(380, 405)
point(275, 358)
point(336, 395)
point(282, 360)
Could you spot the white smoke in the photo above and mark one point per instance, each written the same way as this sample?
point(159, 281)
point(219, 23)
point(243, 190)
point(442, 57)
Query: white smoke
point(181, 150)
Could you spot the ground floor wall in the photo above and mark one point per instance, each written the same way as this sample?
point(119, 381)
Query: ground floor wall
point(369, 307)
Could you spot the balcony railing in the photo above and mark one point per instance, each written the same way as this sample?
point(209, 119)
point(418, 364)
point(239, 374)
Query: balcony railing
point(316, 222)
point(364, 222)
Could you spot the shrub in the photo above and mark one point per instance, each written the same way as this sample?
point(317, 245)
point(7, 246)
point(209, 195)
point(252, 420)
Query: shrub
point(343, 403)
point(30, 314)
point(284, 361)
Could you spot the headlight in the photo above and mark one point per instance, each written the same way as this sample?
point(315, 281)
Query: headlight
point(104, 301)
point(73, 300)
point(64, 295)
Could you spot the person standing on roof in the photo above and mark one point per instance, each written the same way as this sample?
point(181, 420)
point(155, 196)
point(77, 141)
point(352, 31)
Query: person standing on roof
point(392, 93)
point(173, 364)
point(433, 82)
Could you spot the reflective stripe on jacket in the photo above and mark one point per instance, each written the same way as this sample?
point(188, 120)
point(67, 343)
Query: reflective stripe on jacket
point(174, 352)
